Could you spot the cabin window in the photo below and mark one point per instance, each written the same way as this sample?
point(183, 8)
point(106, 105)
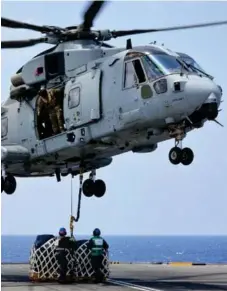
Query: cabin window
point(74, 97)
point(4, 127)
point(134, 73)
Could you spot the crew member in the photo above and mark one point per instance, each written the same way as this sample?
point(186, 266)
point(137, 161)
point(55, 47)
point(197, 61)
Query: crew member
point(52, 100)
point(63, 245)
point(43, 116)
point(97, 245)
point(56, 102)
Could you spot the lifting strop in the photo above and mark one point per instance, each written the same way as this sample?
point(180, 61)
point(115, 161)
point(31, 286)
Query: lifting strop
point(78, 205)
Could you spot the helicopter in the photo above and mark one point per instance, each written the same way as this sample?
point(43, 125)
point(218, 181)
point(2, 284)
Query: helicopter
point(113, 100)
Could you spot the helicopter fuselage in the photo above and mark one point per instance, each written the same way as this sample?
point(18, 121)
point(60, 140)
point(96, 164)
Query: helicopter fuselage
point(76, 105)
point(111, 105)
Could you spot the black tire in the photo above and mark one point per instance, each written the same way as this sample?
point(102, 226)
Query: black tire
point(100, 188)
point(175, 155)
point(2, 184)
point(10, 185)
point(187, 156)
point(88, 187)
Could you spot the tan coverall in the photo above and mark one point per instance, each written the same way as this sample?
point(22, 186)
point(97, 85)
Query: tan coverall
point(55, 110)
point(52, 104)
point(43, 117)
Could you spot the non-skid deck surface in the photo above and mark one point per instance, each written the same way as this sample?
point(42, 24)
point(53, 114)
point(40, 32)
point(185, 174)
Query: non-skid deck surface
point(125, 277)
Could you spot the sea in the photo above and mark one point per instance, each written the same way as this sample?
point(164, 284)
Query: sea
point(156, 249)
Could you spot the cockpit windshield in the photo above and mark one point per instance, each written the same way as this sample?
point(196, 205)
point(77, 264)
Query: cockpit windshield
point(167, 63)
point(192, 64)
point(141, 67)
point(188, 60)
point(152, 71)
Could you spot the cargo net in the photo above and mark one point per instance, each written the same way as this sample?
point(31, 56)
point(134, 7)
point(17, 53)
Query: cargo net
point(44, 265)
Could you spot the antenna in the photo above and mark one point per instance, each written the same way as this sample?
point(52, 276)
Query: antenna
point(129, 44)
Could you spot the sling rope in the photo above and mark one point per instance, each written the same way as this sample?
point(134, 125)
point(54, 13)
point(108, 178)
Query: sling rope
point(78, 205)
point(71, 202)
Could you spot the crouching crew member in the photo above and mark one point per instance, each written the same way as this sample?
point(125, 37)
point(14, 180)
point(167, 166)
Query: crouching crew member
point(63, 245)
point(97, 245)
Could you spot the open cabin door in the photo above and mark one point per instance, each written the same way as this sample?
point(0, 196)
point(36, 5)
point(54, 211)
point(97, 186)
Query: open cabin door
point(82, 102)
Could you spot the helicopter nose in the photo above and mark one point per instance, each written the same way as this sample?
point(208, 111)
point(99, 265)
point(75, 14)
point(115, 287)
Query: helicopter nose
point(215, 95)
point(201, 90)
point(209, 109)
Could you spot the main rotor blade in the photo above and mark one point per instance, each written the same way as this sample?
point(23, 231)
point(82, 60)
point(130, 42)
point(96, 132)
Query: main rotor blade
point(139, 31)
point(9, 44)
point(90, 14)
point(18, 24)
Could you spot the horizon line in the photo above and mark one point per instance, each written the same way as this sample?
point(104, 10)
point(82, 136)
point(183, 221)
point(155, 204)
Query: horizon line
point(150, 235)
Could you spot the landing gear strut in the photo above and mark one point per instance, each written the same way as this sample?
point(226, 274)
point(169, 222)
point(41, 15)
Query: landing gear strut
point(94, 187)
point(178, 154)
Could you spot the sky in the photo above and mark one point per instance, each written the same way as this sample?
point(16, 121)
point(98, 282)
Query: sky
point(146, 194)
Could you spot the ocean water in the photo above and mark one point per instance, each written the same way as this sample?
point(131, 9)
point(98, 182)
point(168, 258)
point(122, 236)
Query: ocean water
point(201, 249)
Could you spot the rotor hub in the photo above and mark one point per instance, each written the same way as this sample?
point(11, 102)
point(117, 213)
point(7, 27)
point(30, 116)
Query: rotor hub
point(55, 34)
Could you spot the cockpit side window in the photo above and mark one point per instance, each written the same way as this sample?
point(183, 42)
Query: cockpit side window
point(130, 78)
point(133, 74)
point(139, 71)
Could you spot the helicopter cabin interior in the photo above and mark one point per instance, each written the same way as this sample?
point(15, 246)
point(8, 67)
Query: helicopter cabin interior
point(49, 115)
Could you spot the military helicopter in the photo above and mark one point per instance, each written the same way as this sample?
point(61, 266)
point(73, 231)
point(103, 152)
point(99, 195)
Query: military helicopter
point(113, 100)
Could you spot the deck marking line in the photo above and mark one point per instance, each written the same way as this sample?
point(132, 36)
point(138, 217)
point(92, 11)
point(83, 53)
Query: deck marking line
point(133, 286)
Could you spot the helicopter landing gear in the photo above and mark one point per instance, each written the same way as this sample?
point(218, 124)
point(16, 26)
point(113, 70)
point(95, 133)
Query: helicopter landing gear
point(9, 184)
point(184, 156)
point(94, 187)
point(177, 154)
point(2, 184)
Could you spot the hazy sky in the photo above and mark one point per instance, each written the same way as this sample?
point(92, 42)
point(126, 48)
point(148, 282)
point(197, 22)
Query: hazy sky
point(145, 193)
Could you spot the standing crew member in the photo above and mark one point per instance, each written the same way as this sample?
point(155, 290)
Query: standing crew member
point(56, 100)
point(64, 244)
point(52, 100)
point(97, 245)
point(43, 115)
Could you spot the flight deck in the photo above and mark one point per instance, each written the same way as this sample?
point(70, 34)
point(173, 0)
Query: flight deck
point(125, 277)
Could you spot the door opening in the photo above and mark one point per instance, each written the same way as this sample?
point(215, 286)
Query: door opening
point(49, 112)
